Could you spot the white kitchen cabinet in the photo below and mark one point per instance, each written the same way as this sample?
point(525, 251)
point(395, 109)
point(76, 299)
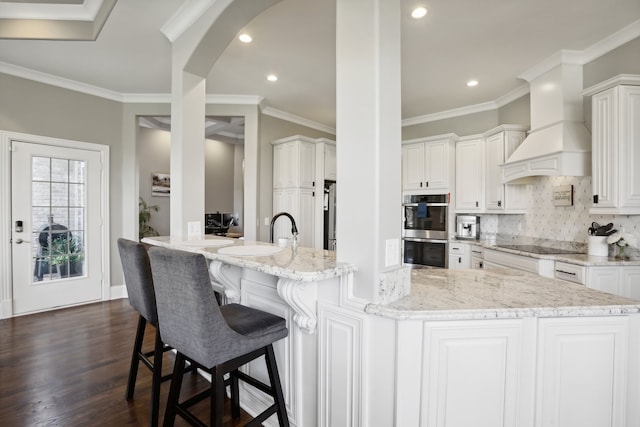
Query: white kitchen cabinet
point(459, 256)
point(470, 161)
point(616, 147)
point(294, 187)
point(294, 162)
point(592, 392)
point(500, 143)
point(330, 170)
point(618, 280)
point(477, 257)
point(427, 164)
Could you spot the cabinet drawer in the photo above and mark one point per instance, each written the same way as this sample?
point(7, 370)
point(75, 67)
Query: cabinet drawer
point(570, 272)
point(458, 248)
point(477, 252)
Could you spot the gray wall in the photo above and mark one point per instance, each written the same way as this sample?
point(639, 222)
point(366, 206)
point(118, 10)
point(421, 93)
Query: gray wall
point(39, 109)
point(154, 154)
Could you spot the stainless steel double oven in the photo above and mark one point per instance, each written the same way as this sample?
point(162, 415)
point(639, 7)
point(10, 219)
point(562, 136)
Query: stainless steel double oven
point(425, 231)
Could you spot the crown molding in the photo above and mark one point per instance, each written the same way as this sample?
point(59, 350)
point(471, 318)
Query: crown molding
point(617, 39)
point(73, 11)
point(297, 119)
point(52, 80)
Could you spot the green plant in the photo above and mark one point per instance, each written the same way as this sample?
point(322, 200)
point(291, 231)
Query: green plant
point(144, 216)
point(66, 249)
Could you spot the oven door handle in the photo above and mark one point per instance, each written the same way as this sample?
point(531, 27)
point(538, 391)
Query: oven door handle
point(412, 239)
point(428, 204)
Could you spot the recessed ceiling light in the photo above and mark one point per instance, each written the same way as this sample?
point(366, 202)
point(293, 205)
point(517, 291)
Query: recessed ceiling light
point(272, 78)
point(245, 38)
point(472, 83)
point(419, 12)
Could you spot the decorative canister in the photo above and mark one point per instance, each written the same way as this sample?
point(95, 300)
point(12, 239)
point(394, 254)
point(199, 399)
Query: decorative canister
point(598, 246)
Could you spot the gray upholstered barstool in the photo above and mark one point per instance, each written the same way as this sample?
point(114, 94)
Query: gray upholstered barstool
point(139, 282)
point(219, 339)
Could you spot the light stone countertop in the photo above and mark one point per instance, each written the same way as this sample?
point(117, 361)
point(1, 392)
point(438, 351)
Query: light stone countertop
point(441, 294)
point(582, 259)
point(301, 264)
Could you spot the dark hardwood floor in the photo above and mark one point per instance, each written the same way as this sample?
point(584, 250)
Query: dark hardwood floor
point(69, 367)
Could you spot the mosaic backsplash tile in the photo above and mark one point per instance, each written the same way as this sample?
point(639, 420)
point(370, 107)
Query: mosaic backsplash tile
point(562, 223)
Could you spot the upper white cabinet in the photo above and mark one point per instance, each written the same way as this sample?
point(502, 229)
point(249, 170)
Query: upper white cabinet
point(616, 146)
point(294, 162)
point(500, 143)
point(330, 162)
point(427, 164)
point(470, 155)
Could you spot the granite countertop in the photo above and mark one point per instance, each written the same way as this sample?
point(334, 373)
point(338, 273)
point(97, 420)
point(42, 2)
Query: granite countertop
point(441, 294)
point(301, 264)
point(582, 259)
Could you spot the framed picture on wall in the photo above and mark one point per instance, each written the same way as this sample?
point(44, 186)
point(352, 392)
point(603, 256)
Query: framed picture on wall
point(160, 184)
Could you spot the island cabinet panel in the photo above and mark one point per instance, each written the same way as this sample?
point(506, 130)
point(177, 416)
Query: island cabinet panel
point(476, 374)
point(582, 372)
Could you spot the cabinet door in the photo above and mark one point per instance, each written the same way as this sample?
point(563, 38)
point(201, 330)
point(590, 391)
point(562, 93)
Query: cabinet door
point(330, 170)
point(582, 372)
point(459, 261)
point(306, 165)
point(473, 374)
point(469, 176)
point(630, 282)
point(437, 165)
point(604, 151)
point(629, 147)
point(605, 279)
point(413, 165)
point(494, 146)
point(305, 217)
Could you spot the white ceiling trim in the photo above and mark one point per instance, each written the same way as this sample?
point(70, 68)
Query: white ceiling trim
point(297, 119)
point(51, 12)
point(52, 80)
point(615, 40)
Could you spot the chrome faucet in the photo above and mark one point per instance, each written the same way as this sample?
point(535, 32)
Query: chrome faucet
point(294, 229)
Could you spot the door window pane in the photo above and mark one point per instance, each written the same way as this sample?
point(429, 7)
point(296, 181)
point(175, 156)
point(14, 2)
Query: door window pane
point(58, 218)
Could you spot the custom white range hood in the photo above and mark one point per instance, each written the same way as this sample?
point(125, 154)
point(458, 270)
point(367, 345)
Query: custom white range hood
point(558, 143)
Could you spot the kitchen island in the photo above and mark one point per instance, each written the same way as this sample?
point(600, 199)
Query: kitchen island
point(465, 348)
point(511, 348)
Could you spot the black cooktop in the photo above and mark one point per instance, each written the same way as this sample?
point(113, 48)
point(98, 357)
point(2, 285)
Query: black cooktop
point(538, 249)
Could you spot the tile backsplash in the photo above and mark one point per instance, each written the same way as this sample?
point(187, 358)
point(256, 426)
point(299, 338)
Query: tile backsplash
point(565, 223)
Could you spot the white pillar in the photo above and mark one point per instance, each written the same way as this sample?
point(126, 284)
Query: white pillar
point(187, 151)
point(368, 145)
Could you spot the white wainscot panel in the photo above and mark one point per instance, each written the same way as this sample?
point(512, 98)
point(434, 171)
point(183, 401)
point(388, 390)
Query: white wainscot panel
point(340, 369)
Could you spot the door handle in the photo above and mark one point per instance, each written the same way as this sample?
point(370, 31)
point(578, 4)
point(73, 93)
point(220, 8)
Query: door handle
point(20, 241)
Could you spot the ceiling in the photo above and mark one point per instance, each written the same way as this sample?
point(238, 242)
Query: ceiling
point(493, 41)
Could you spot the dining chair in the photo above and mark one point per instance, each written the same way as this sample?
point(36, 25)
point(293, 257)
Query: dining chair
point(218, 339)
point(140, 289)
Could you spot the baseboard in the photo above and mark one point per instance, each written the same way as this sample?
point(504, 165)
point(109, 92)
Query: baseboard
point(6, 309)
point(118, 292)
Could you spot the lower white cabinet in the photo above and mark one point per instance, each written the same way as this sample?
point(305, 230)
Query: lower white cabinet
point(618, 280)
point(459, 256)
point(299, 202)
point(529, 372)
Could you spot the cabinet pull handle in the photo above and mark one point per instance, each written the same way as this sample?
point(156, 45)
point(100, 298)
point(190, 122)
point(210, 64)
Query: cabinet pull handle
point(459, 260)
point(420, 184)
point(499, 203)
point(476, 204)
point(595, 199)
point(565, 272)
point(426, 184)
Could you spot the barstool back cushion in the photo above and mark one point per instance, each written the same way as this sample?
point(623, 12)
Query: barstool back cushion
point(189, 314)
point(138, 278)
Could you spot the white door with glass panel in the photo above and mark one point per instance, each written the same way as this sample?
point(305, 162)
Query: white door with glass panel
point(56, 226)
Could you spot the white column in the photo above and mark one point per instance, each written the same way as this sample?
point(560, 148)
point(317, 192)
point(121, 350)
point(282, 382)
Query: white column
point(368, 143)
point(187, 151)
